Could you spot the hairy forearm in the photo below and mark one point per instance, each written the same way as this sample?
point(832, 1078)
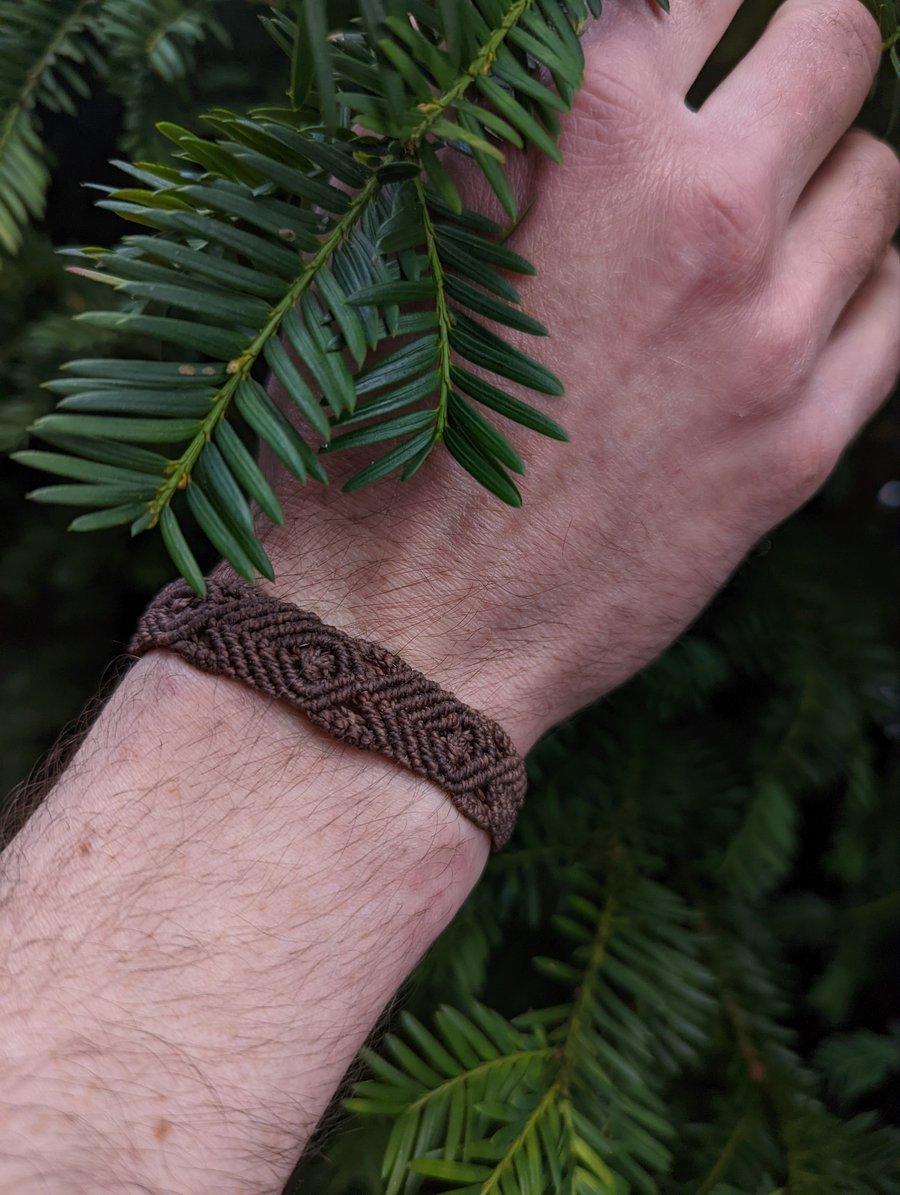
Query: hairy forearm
point(200, 925)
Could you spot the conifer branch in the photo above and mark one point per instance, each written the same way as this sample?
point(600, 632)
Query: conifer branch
point(239, 368)
point(42, 45)
point(434, 110)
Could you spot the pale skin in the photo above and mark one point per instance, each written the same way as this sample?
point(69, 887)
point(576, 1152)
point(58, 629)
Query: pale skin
point(208, 913)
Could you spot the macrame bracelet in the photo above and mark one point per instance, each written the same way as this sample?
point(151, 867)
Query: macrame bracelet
point(357, 691)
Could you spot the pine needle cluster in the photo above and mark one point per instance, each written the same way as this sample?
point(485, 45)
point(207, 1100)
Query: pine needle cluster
point(324, 243)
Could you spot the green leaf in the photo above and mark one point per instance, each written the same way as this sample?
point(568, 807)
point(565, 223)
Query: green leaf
point(440, 179)
point(386, 429)
point(398, 456)
point(517, 115)
point(213, 474)
point(248, 472)
point(473, 221)
point(77, 468)
point(348, 321)
point(127, 456)
point(433, 59)
point(313, 14)
point(192, 403)
point(462, 261)
point(394, 400)
point(152, 174)
point(293, 180)
point(544, 51)
point(271, 426)
point(302, 69)
point(182, 556)
point(401, 232)
point(198, 264)
point(115, 516)
point(218, 532)
point(494, 172)
point(459, 1172)
point(429, 1045)
point(483, 434)
point(471, 134)
point(493, 309)
point(229, 307)
point(277, 258)
point(398, 366)
point(452, 16)
point(216, 342)
point(305, 332)
point(448, 236)
point(398, 171)
point(93, 495)
point(480, 466)
point(494, 122)
point(411, 323)
point(352, 267)
point(296, 388)
point(147, 373)
point(43, 49)
point(393, 292)
point(289, 223)
point(417, 461)
point(213, 157)
point(332, 157)
point(477, 344)
point(407, 69)
point(151, 431)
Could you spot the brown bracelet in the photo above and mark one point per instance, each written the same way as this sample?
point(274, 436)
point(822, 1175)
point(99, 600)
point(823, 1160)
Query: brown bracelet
point(357, 691)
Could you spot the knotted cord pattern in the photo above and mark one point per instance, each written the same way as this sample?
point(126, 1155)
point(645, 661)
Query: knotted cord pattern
point(358, 691)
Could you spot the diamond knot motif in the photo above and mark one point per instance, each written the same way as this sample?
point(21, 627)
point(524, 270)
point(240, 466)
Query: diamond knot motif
point(316, 664)
point(460, 743)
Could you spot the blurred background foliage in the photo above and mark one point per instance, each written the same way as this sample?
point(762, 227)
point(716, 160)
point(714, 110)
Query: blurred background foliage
point(754, 770)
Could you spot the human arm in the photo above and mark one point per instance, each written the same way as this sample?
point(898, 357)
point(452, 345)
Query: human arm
point(708, 394)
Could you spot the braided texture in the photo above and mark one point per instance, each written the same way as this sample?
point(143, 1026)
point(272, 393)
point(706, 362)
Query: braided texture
point(359, 692)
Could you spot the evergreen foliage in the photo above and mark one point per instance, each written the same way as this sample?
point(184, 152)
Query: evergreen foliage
point(705, 872)
point(323, 243)
point(289, 244)
point(45, 53)
point(51, 51)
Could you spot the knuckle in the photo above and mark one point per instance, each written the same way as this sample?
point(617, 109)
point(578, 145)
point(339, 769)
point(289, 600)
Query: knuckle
point(849, 29)
point(785, 355)
point(806, 460)
point(728, 227)
point(788, 351)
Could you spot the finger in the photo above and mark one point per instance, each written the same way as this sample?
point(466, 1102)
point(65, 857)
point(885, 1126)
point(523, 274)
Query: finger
point(676, 44)
point(841, 227)
point(799, 89)
point(860, 363)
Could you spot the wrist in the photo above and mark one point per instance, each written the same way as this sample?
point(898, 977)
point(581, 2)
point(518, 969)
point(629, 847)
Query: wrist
point(396, 589)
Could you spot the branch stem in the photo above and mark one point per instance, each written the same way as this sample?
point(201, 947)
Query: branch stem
point(442, 310)
point(240, 367)
point(480, 64)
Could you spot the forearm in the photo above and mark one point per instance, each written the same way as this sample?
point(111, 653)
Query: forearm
point(202, 923)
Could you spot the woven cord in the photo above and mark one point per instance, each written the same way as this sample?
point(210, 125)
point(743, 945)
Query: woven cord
point(359, 692)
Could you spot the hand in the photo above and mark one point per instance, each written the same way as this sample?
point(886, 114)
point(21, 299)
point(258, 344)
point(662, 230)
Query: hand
point(723, 309)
